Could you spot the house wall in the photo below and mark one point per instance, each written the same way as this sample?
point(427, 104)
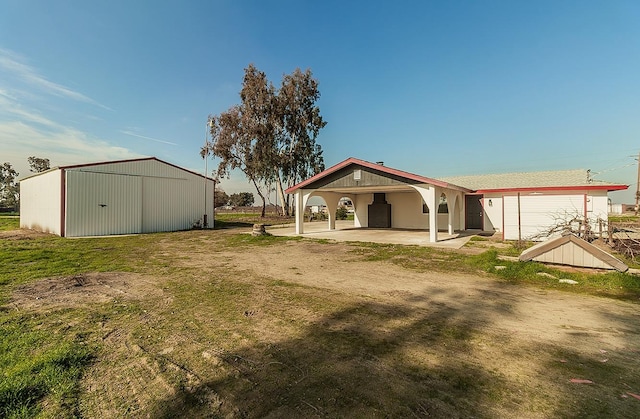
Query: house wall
point(492, 205)
point(40, 198)
point(406, 211)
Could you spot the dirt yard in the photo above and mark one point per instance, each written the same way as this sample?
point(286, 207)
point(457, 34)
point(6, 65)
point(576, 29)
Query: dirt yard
point(312, 329)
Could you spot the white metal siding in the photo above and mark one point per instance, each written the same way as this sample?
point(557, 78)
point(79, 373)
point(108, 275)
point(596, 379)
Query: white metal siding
point(151, 168)
point(538, 213)
point(102, 204)
point(40, 202)
point(174, 204)
point(571, 254)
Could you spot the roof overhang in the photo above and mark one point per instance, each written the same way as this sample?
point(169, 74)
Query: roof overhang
point(380, 168)
point(607, 188)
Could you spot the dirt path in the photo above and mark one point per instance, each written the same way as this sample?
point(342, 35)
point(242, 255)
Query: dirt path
point(585, 322)
point(444, 344)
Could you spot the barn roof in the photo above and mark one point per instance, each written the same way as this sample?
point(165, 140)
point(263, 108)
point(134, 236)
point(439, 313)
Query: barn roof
point(549, 180)
point(76, 166)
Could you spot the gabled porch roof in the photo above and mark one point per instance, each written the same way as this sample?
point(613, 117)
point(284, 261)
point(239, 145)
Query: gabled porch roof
point(401, 176)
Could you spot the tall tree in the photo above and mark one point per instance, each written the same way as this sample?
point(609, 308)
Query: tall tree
point(37, 165)
point(235, 148)
point(271, 134)
point(9, 187)
point(299, 123)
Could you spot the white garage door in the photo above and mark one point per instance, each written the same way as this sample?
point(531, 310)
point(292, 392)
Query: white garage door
point(538, 213)
point(102, 204)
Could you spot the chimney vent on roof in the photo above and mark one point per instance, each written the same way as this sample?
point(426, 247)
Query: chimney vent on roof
point(381, 163)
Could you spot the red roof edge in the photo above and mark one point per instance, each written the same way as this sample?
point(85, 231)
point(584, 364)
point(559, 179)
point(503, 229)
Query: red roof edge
point(379, 167)
point(558, 188)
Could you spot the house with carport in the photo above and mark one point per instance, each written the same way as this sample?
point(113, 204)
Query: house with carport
point(515, 205)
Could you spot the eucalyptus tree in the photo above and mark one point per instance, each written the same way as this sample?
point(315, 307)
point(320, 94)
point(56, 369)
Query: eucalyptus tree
point(299, 123)
point(9, 187)
point(270, 135)
point(234, 147)
point(37, 164)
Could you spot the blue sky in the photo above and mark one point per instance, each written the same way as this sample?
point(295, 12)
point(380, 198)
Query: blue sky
point(436, 88)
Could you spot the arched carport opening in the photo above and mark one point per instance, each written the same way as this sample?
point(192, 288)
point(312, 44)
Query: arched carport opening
point(332, 201)
point(382, 197)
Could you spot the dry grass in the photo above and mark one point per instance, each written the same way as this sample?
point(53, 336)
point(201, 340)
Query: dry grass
point(203, 329)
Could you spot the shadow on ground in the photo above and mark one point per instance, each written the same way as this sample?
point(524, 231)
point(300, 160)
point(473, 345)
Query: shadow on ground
point(367, 360)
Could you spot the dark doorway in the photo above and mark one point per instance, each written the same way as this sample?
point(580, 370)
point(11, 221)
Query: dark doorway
point(379, 212)
point(474, 212)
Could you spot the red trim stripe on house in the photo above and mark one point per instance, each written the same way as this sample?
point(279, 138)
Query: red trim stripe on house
point(557, 188)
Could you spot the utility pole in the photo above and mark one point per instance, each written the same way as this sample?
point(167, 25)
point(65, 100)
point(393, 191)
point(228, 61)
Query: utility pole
point(636, 208)
point(205, 223)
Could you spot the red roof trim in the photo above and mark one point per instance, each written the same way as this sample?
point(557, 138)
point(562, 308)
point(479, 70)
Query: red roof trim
point(385, 169)
point(558, 188)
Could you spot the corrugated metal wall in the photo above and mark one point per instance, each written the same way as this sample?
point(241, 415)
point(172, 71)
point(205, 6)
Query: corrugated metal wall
point(538, 213)
point(571, 254)
point(40, 202)
point(135, 197)
point(102, 204)
point(174, 204)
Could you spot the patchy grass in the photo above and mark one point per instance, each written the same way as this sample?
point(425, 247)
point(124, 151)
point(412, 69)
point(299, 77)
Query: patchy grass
point(226, 219)
point(212, 339)
point(624, 218)
point(623, 286)
point(8, 223)
point(48, 256)
point(39, 365)
point(478, 239)
point(610, 284)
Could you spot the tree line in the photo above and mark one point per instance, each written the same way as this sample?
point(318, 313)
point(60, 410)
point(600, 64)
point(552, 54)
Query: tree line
point(9, 186)
point(240, 199)
point(271, 135)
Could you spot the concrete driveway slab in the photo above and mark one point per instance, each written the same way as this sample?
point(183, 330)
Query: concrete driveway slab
point(345, 231)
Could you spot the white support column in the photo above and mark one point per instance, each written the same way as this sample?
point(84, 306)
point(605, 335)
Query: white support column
point(429, 195)
point(433, 213)
point(451, 207)
point(299, 212)
point(332, 200)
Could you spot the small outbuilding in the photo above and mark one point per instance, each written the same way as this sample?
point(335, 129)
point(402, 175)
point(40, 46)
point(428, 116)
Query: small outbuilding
point(116, 197)
point(573, 251)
